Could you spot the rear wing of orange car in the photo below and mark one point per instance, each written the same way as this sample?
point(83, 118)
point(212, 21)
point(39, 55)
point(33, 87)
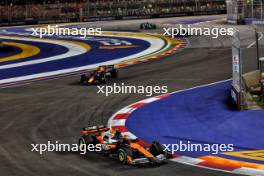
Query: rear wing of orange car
point(94, 129)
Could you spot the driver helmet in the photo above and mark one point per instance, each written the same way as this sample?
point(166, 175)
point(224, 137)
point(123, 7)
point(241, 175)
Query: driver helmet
point(126, 139)
point(101, 69)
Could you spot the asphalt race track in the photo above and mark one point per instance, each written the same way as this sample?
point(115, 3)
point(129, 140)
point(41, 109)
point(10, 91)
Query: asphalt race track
point(56, 110)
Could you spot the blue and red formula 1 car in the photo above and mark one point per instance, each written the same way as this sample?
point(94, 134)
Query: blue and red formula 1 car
point(101, 75)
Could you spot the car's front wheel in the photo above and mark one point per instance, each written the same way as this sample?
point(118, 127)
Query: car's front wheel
point(122, 156)
point(114, 73)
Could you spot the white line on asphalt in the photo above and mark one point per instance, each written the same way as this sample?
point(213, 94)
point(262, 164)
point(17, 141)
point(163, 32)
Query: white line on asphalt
point(72, 50)
point(253, 43)
point(156, 44)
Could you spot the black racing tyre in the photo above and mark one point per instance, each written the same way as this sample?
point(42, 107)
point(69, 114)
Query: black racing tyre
point(102, 80)
point(122, 156)
point(107, 77)
point(83, 78)
point(82, 143)
point(91, 139)
point(156, 148)
point(114, 73)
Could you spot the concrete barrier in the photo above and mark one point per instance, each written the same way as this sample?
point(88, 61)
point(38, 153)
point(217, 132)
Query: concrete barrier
point(251, 81)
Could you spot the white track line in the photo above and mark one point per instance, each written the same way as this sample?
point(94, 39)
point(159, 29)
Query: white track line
point(179, 159)
point(156, 44)
point(253, 43)
point(73, 50)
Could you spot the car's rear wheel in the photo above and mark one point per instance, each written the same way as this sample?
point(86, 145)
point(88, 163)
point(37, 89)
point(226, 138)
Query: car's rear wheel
point(156, 148)
point(107, 79)
point(114, 73)
point(82, 143)
point(122, 156)
point(83, 78)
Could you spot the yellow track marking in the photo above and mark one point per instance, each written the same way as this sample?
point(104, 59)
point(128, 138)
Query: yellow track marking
point(27, 51)
point(253, 154)
point(82, 44)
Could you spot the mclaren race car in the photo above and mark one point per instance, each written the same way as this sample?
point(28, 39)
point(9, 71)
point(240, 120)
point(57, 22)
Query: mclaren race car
point(126, 150)
point(103, 74)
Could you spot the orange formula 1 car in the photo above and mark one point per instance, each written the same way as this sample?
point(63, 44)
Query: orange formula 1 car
point(126, 150)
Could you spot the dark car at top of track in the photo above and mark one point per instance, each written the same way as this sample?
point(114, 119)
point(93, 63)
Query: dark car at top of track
point(101, 75)
point(148, 25)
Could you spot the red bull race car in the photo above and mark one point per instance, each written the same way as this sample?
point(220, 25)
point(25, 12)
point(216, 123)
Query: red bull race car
point(126, 150)
point(101, 75)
